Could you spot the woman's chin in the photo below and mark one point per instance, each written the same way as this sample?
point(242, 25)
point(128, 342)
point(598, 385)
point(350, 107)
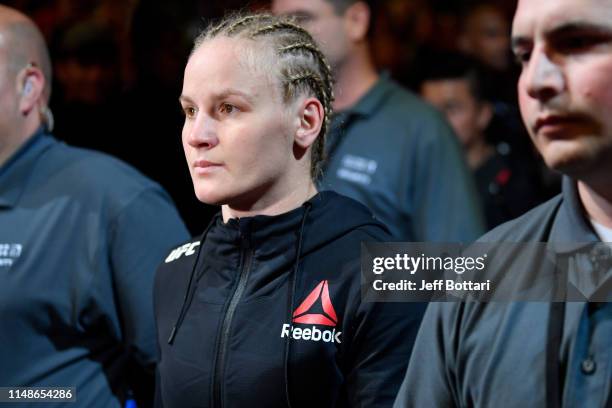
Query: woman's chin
point(210, 198)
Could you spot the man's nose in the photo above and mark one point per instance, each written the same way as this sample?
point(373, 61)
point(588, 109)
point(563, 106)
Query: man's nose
point(544, 78)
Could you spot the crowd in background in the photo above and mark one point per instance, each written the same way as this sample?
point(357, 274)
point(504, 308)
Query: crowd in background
point(118, 70)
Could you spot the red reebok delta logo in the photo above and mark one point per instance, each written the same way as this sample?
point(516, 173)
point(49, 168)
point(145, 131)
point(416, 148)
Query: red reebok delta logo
point(327, 318)
point(300, 314)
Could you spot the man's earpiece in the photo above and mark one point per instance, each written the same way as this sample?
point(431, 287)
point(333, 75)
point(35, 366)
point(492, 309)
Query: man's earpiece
point(27, 87)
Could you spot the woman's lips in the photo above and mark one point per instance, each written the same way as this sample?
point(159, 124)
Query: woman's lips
point(205, 166)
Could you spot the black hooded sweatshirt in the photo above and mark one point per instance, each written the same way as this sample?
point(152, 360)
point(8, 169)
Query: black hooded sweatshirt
point(267, 312)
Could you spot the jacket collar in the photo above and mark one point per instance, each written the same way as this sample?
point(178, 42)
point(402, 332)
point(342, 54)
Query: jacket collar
point(15, 173)
point(570, 230)
point(268, 235)
point(330, 217)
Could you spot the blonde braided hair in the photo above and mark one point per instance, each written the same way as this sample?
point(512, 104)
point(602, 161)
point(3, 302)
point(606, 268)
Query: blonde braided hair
point(303, 69)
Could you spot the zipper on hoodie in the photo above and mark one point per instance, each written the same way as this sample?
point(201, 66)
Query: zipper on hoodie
point(246, 257)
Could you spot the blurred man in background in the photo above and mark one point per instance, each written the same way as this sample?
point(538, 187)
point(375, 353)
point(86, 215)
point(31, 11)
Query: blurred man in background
point(387, 148)
point(81, 236)
point(453, 83)
point(485, 34)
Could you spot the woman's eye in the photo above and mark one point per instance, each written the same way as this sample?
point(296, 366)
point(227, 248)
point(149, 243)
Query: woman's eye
point(227, 108)
point(189, 112)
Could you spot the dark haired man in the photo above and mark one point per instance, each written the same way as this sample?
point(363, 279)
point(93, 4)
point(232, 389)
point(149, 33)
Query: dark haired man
point(542, 354)
point(453, 83)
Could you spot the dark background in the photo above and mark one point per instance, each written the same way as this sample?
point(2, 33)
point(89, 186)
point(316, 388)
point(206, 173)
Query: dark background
point(118, 69)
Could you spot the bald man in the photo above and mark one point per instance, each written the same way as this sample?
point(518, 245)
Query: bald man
point(81, 235)
point(25, 75)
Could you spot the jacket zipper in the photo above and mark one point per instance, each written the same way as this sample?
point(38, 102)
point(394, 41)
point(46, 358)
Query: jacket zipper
point(246, 257)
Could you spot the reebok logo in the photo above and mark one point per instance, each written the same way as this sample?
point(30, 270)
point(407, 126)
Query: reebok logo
point(329, 318)
point(302, 315)
point(312, 334)
point(187, 249)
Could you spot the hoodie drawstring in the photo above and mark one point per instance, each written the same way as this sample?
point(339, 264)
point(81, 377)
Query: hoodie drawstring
point(292, 285)
point(189, 292)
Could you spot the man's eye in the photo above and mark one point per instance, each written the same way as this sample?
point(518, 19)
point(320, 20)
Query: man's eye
point(578, 43)
point(302, 18)
point(522, 57)
point(451, 108)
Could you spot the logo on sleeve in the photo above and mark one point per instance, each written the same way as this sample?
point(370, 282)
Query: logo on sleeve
point(303, 315)
point(187, 250)
point(9, 253)
point(356, 169)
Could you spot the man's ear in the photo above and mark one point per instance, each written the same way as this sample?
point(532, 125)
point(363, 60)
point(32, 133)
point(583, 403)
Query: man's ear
point(311, 117)
point(485, 114)
point(30, 87)
point(357, 21)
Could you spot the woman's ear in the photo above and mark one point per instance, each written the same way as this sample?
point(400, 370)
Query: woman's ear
point(311, 117)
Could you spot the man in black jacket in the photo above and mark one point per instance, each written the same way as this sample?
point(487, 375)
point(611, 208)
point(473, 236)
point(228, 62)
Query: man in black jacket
point(541, 354)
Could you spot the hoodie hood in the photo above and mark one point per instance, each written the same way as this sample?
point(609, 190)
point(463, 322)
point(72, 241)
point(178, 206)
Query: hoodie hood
point(330, 216)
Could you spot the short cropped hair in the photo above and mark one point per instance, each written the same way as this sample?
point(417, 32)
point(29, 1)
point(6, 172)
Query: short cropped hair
point(441, 66)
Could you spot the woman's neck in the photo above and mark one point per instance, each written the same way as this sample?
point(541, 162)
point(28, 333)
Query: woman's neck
point(272, 205)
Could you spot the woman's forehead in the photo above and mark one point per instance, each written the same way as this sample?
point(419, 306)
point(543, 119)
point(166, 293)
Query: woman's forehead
point(223, 63)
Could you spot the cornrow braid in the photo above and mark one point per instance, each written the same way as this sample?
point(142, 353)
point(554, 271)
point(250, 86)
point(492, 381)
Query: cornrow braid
point(243, 21)
point(281, 25)
point(315, 50)
point(302, 69)
point(213, 31)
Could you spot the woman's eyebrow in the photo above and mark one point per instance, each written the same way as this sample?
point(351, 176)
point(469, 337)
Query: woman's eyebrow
point(233, 92)
point(184, 99)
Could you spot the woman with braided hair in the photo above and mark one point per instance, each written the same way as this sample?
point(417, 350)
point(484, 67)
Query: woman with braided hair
point(264, 308)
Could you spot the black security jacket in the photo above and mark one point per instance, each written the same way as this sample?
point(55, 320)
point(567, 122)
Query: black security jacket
point(271, 314)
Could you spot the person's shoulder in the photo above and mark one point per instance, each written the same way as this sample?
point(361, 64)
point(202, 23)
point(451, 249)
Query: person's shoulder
point(171, 278)
point(182, 256)
point(173, 272)
point(401, 100)
point(532, 226)
point(95, 172)
point(342, 213)
point(412, 117)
